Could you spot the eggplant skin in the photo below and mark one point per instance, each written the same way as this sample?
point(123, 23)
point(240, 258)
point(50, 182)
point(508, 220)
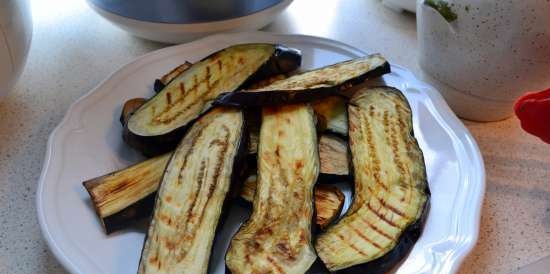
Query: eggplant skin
point(391, 198)
point(310, 85)
point(193, 195)
point(277, 236)
point(158, 125)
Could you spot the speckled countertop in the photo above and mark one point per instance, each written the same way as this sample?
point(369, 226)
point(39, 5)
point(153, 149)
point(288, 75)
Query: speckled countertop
point(74, 49)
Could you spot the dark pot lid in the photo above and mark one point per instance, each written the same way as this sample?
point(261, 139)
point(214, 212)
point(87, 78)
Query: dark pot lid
point(183, 12)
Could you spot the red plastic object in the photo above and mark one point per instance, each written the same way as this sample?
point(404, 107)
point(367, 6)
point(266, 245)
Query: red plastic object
point(533, 110)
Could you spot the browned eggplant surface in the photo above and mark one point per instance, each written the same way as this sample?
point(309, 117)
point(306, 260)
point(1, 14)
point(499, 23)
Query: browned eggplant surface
point(277, 237)
point(192, 195)
point(391, 191)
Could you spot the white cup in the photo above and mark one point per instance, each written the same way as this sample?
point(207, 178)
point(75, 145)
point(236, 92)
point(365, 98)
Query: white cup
point(488, 56)
point(15, 39)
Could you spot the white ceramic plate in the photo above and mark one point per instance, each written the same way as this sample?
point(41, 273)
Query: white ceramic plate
point(87, 143)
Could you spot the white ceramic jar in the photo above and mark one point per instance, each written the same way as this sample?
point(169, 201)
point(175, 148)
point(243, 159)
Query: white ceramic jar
point(490, 54)
point(15, 39)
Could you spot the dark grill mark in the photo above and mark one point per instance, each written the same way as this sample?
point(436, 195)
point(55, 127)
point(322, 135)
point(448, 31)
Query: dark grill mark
point(168, 98)
point(182, 88)
point(404, 127)
point(381, 216)
point(193, 224)
point(207, 78)
point(364, 237)
point(384, 204)
point(350, 244)
point(377, 229)
point(372, 150)
point(392, 208)
point(404, 132)
point(274, 264)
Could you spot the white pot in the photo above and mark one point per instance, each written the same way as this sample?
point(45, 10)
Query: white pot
point(15, 39)
point(493, 52)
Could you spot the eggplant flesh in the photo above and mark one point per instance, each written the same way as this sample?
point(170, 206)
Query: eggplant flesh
point(277, 236)
point(158, 125)
point(332, 114)
point(329, 200)
point(334, 158)
point(391, 194)
point(192, 195)
point(310, 85)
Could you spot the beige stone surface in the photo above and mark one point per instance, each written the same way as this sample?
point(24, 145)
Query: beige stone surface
point(74, 49)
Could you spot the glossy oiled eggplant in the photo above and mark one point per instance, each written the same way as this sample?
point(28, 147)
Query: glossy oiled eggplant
point(158, 125)
point(391, 196)
point(328, 200)
point(171, 75)
point(125, 196)
point(310, 85)
point(332, 114)
point(122, 197)
point(277, 236)
point(192, 194)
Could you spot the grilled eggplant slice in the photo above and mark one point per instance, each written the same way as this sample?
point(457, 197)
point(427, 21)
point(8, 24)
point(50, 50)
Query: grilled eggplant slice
point(277, 237)
point(158, 125)
point(334, 158)
point(329, 200)
point(332, 114)
point(310, 85)
point(168, 77)
point(192, 194)
point(391, 192)
point(125, 196)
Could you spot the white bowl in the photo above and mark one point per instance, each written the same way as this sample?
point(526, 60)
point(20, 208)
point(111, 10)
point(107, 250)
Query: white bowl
point(183, 32)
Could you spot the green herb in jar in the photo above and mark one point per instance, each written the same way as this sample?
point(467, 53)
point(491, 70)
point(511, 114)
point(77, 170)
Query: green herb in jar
point(443, 8)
